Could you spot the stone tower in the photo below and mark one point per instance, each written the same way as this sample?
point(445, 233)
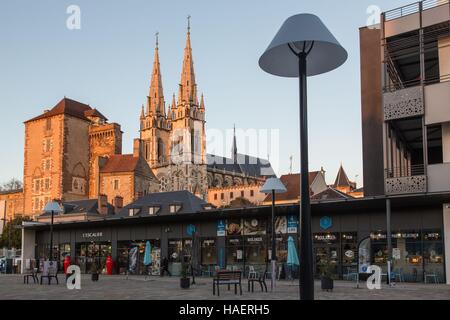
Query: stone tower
point(155, 129)
point(175, 144)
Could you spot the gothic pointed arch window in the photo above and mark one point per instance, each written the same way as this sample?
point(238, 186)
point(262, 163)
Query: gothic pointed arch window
point(160, 150)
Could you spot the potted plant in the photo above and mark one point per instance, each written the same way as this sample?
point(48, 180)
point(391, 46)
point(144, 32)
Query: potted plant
point(94, 272)
point(326, 280)
point(185, 282)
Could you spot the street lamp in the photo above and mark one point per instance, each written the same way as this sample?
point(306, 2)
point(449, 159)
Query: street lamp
point(273, 186)
point(52, 207)
point(303, 47)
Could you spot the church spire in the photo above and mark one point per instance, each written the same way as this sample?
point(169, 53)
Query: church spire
point(234, 148)
point(202, 103)
point(155, 102)
point(188, 86)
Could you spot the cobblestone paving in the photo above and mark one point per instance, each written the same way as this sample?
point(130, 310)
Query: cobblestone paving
point(156, 288)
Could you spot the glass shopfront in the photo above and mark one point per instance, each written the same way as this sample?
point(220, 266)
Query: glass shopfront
point(235, 252)
point(256, 251)
point(178, 249)
point(90, 253)
point(417, 255)
point(130, 257)
point(59, 253)
point(327, 254)
point(208, 252)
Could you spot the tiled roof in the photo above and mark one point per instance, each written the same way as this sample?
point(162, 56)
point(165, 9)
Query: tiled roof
point(120, 163)
point(69, 107)
point(189, 203)
point(245, 164)
point(342, 179)
point(292, 184)
point(95, 113)
point(330, 194)
point(82, 206)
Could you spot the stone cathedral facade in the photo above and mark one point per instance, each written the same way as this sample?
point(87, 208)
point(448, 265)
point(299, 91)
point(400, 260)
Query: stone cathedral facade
point(174, 137)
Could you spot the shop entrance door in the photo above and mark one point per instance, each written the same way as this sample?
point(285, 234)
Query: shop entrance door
point(327, 257)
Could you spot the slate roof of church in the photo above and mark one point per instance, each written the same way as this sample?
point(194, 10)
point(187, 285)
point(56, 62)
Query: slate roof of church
point(244, 164)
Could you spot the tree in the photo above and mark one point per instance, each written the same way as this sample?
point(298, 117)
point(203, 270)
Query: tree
point(240, 203)
point(11, 185)
point(12, 234)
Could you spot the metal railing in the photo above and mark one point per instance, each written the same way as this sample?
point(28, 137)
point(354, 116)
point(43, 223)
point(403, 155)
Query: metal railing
point(399, 172)
point(412, 9)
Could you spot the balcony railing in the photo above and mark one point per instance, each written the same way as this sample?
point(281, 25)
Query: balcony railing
point(403, 103)
point(398, 172)
point(406, 180)
point(412, 9)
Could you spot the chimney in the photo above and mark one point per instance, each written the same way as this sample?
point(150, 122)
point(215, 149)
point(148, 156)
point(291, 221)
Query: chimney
point(103, 204)
point(137, 148)
point(118, 203)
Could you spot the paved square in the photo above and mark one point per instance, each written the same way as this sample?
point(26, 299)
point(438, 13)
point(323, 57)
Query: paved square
point(157, 288)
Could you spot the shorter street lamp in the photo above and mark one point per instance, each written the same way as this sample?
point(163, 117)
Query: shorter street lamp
point(273, 186)
point(52, 207)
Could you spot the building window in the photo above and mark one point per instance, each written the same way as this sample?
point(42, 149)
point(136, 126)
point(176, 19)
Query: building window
point(153, 210)
point(47, 145)
point(174, 208)
point(242, 194)
point(48, 124)
point(47, 184)
point(222, 196)
point(231, 195)
point(116, 184)
point(133, 211)
point(215, 196)
point(252, 193)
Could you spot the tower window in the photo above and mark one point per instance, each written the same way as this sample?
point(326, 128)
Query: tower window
point(116, 184)
point(48, 124)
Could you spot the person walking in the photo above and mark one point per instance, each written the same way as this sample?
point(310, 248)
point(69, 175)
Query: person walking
point(165, 267)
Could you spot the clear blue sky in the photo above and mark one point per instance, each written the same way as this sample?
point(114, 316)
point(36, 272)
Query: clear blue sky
point(107, 64)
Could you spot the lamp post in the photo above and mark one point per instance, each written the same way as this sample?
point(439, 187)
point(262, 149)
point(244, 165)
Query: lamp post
point(303, 47)
point(52, 207)
point(273, 186)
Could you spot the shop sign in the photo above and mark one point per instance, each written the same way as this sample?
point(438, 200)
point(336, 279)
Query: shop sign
point(292, 224)
point(325, 237)
point(190, 230)
point(234, 227)
point(88, 235)
point(326, 223)
point(208, 242)
point(254, 227)
point(255, 239)
point(364, 255)
point(281, 225)
point(396, 253)
point(221, 228)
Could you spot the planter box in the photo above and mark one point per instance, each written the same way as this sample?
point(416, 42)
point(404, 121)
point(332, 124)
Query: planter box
point(327, 283)
point(94, 277)
point(185, 283)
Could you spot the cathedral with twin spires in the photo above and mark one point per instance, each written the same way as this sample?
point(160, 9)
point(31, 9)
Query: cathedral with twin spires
point(173, 138)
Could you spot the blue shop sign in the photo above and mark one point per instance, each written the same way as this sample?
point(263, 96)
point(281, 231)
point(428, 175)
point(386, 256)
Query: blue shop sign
point(221, 228)
point(326, 223)
point(190, 229)
point(292, 224)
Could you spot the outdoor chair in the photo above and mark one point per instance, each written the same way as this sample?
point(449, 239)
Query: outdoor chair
point(252, 274)
point(433, 276)
point(227, 278)
point(31, 273)
point(51, 275)
point(398, 275)
point(261, 280)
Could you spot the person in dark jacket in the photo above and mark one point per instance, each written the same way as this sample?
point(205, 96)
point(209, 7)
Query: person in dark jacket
point(165, 267)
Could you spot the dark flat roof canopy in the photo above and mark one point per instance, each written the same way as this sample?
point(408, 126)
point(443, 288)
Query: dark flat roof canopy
point(346, 206)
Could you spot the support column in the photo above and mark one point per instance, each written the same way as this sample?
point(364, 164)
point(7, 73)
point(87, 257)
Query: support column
point(446, 231)
point(28, 246)
point(388, 238)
